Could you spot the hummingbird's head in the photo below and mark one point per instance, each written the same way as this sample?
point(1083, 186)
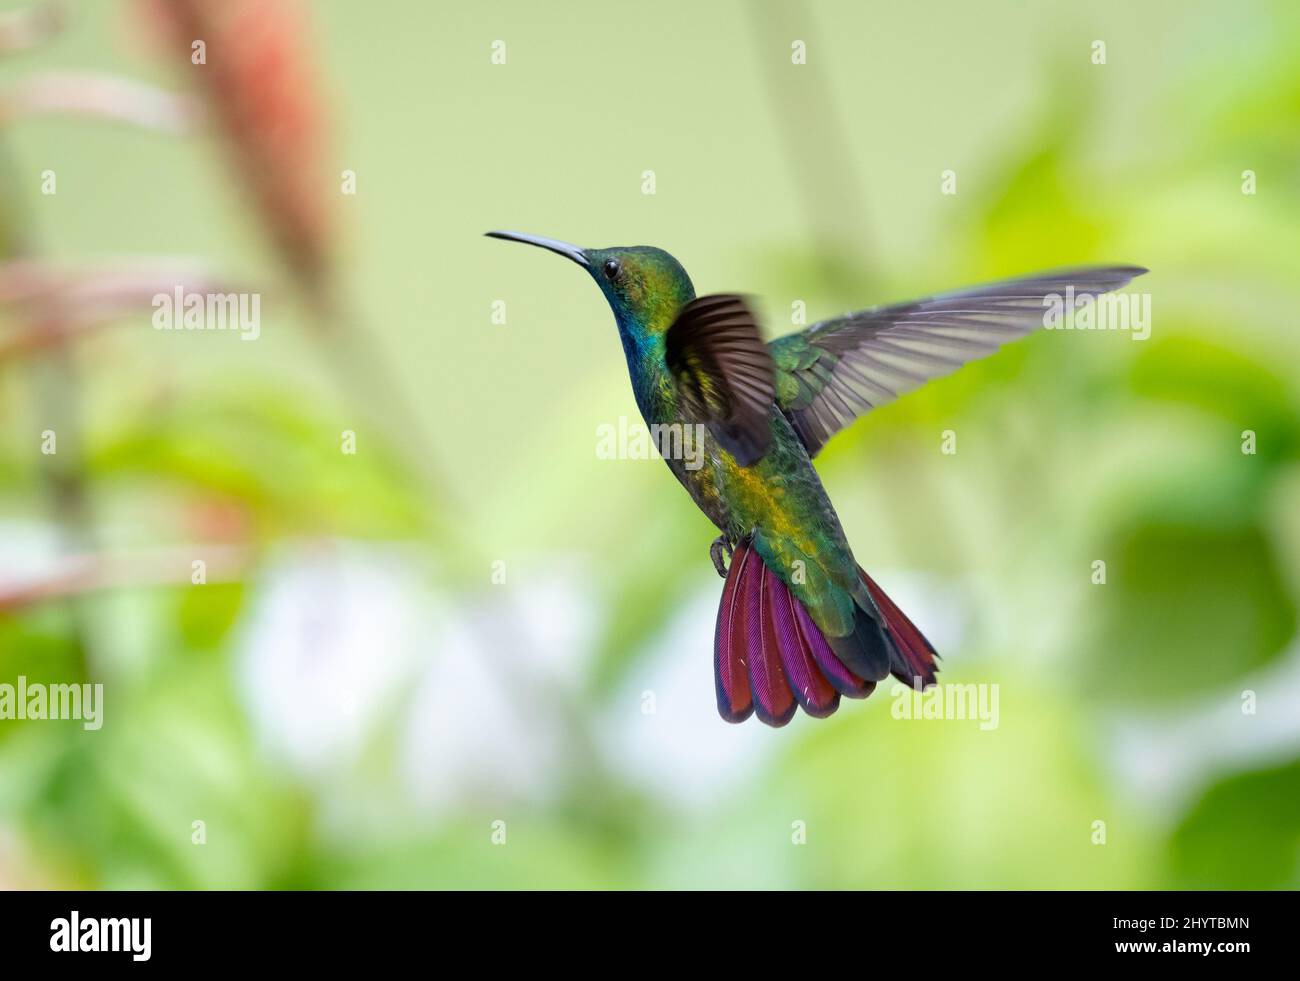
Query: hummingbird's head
point(646, 287)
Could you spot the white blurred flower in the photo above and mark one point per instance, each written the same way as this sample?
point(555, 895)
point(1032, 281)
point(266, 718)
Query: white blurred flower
point(345, 637)
point(334, 631)
point(488, 716)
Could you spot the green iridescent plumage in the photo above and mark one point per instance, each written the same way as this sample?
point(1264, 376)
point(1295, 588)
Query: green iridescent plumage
point(780, 499)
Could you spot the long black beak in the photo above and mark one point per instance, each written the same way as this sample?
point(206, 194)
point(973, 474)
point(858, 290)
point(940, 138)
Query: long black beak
point(554, 244)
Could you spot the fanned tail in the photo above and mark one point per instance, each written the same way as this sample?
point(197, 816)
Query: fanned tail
point(769, 656)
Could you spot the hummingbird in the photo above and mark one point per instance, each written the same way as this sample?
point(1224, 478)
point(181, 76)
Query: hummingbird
point(800, 623)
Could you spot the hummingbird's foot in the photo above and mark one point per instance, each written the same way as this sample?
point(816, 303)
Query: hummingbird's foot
point(720, 545)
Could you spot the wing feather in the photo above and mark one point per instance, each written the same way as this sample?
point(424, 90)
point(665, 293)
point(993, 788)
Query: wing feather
point(839, 369)
point(724, 372)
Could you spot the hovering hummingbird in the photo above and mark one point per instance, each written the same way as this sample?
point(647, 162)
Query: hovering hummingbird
point(800, 622)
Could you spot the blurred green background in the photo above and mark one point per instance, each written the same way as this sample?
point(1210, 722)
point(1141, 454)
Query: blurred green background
point(355, 698)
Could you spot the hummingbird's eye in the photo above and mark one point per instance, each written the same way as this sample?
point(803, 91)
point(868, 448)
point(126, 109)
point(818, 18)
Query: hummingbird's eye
point(611, 269)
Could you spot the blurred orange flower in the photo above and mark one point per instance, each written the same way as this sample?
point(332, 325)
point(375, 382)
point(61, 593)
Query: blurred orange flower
point(251, 63)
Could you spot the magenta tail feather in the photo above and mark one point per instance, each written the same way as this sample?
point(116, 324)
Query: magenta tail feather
point(730, 650)
point(913, 659)
point(814, 692)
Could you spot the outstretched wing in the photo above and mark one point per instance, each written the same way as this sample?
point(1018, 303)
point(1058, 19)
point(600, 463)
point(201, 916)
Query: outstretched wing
point(724, 373)
point(837, 370)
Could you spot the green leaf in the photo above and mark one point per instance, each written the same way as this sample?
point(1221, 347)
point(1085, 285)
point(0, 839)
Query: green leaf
point(1244, 833)
point(1185, 607)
